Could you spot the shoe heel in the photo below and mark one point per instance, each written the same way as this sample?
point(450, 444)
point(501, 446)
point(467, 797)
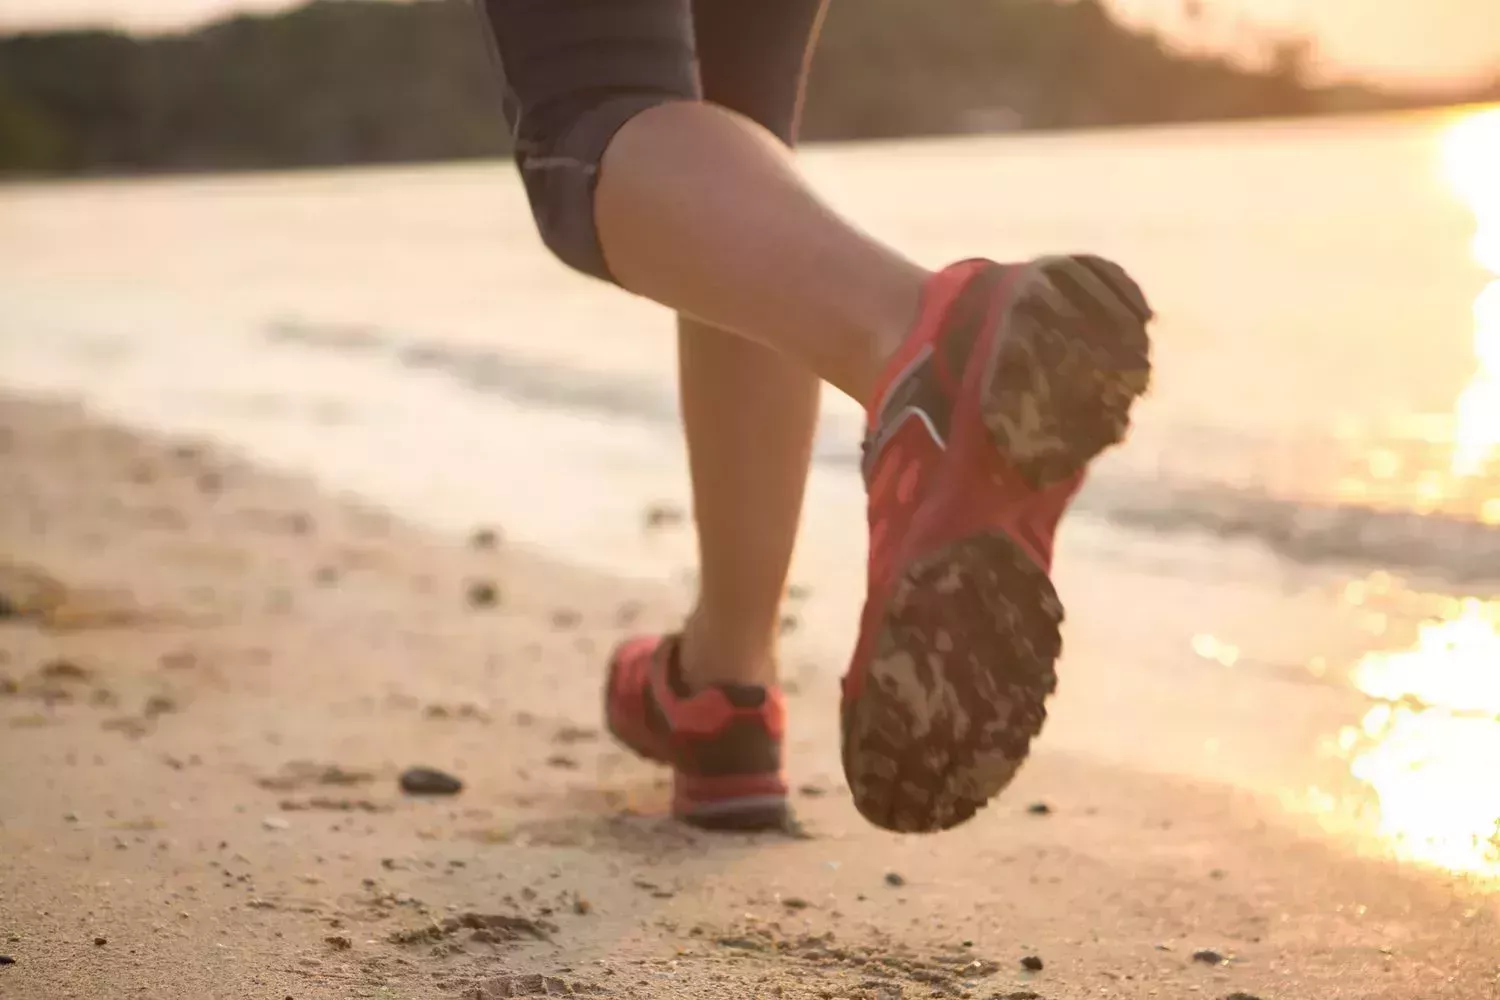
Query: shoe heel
point(1072, 358)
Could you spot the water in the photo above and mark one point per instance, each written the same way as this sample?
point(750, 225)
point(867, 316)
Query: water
point(1328, 390)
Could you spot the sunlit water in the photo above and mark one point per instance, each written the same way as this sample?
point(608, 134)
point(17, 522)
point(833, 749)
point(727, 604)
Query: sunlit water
point(1328, 389)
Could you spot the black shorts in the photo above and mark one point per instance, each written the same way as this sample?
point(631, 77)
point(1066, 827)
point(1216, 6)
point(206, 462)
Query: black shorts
point(576, 70)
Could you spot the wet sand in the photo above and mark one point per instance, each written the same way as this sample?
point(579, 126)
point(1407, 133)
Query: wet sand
point(212, 677)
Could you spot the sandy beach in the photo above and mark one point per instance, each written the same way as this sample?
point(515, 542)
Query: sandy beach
point(212, 676)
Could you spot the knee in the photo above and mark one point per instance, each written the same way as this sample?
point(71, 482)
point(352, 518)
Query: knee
point(558, 153)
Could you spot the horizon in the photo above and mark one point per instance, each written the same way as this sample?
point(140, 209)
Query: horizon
point(1442, 43)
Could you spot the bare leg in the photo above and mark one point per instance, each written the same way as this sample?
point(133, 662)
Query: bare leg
point(750, 414)
point(702, 210)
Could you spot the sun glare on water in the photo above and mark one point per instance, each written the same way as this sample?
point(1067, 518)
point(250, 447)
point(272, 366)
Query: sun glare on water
point(1472, 158)
point(1430, 747)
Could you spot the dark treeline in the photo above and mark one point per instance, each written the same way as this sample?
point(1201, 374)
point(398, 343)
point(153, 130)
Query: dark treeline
point(348, 81)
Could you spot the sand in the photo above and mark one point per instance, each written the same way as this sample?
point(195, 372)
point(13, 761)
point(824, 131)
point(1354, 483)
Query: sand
point(212, 676)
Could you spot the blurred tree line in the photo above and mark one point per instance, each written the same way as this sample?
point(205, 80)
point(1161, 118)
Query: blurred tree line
point(346, 81)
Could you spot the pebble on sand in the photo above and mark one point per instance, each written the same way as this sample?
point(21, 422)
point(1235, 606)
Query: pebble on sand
point(275, 823)
point(483, 594)
point(100, 942)
point(1209, 957)
point(895, 879)
point(484, 538)
point(1032, 963)
point(1039, 809)
point(429, 781)
point(7, 960)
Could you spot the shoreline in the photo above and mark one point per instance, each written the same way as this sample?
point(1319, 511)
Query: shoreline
point(211, 624)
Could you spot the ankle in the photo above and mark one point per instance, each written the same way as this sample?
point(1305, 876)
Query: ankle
point(722, 655)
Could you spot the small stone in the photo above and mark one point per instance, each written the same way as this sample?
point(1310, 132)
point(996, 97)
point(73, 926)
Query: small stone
point(100, 942)
point(1208, 957)
point(789, 624)
point(483, 594)
point(1039, 809)
point(1217, 874)
point(275, 823)
point(797, 592)
point(7, 960)
point(484, 539)
point(895, 879)
point(8, 609)
point(1242, 996)
point(429, 781)
point(1032, 963)
point(565, 618)
point(339, 942)
point(795, 903)
point(563, 762)
point(812, 791)
point(582, 906)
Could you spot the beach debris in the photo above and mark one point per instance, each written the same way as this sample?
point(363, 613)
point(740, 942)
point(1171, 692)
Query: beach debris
point(339, 942)
point(483, 594)
point(63, 670)
point(663, 515)
point(895, 879)
point(7, 960)
point(159, 704)
point(333, 805)
point(1039, 809)
point(100, 942)
point(429, 781)
point(129, 725)
point(504, 987)
point(570, 734)
point(496, 927)
point(484, 539)
point(795, 903)
point(275, 823)
point(1032, 963)
point(302, 773)
point(1209, 957)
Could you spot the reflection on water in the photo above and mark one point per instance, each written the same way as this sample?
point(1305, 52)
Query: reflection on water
point(1473, 160)
point(1430, 746)
point(1441, 463)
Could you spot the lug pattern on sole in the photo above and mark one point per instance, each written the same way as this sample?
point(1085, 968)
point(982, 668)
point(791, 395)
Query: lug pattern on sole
point(957, 688)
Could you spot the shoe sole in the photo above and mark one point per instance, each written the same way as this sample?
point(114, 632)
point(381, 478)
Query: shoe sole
point(964, 660)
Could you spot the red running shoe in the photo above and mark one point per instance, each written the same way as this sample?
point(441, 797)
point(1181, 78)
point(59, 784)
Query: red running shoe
point(1014, 379)
point(723, 742)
